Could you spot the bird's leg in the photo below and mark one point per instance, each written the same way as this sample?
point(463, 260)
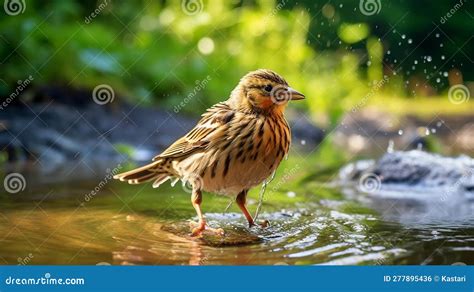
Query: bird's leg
point(196, 199)
point(241, 200)
point(200, 226)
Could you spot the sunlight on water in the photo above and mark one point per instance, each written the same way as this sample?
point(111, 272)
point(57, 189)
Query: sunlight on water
point(124, 225)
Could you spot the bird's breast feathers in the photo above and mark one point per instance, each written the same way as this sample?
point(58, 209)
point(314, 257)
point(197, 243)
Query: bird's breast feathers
point(242, 150)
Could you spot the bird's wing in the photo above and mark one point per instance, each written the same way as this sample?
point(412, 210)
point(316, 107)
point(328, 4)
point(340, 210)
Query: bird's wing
point(200, 136)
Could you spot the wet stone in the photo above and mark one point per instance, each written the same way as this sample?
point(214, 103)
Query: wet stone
point(233, 236)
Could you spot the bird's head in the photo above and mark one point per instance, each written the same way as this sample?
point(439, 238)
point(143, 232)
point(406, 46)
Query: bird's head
point(263, 91)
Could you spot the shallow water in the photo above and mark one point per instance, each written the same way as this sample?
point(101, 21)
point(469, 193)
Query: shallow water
point(55, 224)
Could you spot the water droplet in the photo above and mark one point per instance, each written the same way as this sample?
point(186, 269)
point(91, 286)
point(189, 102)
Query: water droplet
point(427, 132)
point(433, 130)
point(445, 74)
point(437, 35)
point(416, 62)
point(303, 142)
point(428, 58)
point(441, 45)
point(438, 80)
point(390, 146)
point(410, 41)
point(388, 52)
point(443, 57)
point(400, 132)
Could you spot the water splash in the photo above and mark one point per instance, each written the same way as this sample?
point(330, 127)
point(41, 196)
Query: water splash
point(262, 193)
point(390, 146)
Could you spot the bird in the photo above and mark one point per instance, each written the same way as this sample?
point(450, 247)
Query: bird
point(236, 145)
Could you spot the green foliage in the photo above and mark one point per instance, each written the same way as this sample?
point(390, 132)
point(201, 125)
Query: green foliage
point(154, 52)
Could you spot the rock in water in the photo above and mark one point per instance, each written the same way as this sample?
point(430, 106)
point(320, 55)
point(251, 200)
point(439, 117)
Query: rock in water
point(233, 236)
point(416, 171)
point(414, 188)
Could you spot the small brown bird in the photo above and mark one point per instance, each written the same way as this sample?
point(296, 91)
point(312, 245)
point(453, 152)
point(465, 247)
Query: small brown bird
point(235, 146)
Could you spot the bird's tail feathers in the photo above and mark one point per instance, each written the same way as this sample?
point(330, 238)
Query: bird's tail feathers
point(150, 172)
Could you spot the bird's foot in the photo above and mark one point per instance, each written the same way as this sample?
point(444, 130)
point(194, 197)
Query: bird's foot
point(197, 229)
point(262, 224)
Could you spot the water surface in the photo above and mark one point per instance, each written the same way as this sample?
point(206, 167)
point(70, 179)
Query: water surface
point(310, 224)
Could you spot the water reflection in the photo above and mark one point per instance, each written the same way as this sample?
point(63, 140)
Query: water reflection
point(313, 232)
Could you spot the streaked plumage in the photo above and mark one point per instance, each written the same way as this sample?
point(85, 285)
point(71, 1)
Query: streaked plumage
point(235, 146)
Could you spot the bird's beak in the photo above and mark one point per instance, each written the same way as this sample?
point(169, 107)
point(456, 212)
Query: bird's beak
point(295, 95)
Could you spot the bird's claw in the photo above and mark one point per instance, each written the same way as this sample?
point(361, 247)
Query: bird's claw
point(197, 229)
point(262, 224)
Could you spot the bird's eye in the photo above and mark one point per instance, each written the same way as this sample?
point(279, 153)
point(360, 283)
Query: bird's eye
point(268, 88)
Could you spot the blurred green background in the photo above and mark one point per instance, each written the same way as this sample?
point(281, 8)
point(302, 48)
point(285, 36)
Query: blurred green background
point(155, 52)
point(378, 75)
